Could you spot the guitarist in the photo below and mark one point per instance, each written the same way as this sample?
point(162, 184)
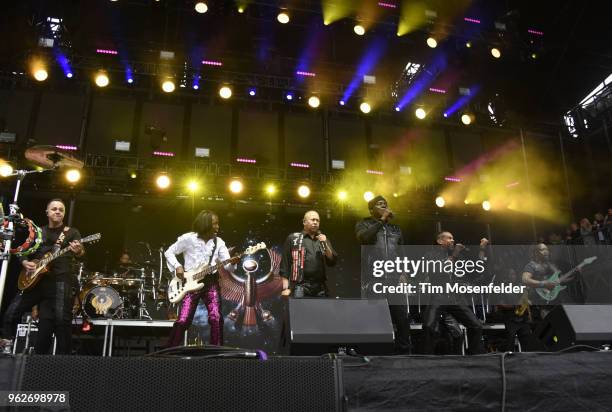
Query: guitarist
point(535, 274)
point(202, 246)
point(54, 293)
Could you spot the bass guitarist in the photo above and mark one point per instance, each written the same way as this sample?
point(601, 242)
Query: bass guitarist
point(54, 292)
point(201, 246)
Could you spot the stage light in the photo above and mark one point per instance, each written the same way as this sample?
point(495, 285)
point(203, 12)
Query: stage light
point(168, 86)
point(235, 186)
point(130, 80)
point(466, 201)
point(314, 102)
point(40, 74)
point(468, 44)
point(240, 9)
point(420, 113)
point(431, 42)
point(193, 186)
point(359, 30)
point(73, 175)
point(342, 195)
point(486, 205)
point(495, 52)
point(289, 96)
point(133, 175)
point(102, 79)
point(466, 119)
point(252, 92)
point(397, 108)
point(69, 75)
point(283, 17)
point(6, 169)
point(270, 189)
point(440, 202)
point(341, 103)
point(367, 196)
point(163, 181)
point(534, 56)
point(86, 326)
point(365, 107)
point(225, 92)
point(201, 7)
point(303, 191)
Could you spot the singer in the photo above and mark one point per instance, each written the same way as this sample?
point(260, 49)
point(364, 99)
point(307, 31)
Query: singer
point(386, 237)
point(305, 255)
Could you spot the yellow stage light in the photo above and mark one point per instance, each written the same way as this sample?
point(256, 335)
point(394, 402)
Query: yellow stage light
point(367, 196)
point(168, 86)
point(314, 102)
point(73, 175)
point(6, 169)
point(236, 186)
point(303, 191)
point(365, 107)
point(486, 205)
point(440, 201)
point(431, 42)
point(420, 113)
point(359, 30)
point(163, 181)
point(102, 79)
point(225, 92)
point(283, 17)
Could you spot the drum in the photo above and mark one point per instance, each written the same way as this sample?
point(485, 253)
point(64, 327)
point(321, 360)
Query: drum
point(101, 302)
point(27, 237)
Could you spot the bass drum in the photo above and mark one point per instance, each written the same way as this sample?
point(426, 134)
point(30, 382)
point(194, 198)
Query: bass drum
point(101, 302)
point(27, 238)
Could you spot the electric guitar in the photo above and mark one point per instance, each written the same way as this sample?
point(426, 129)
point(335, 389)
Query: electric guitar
point(193, 279)
point(550, 295)
point(29, 278)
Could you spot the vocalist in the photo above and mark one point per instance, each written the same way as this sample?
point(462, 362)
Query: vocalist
point(305, 256)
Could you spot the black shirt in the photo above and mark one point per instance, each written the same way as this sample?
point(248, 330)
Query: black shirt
point(62, 264)
point(314, 259)
point(539, 271)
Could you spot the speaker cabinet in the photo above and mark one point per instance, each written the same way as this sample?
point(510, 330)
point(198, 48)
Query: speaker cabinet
point(569, 325)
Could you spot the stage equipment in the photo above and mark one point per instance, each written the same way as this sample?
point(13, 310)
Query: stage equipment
point(569, 325)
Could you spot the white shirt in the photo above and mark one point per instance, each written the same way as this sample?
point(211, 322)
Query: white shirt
point(196, 252)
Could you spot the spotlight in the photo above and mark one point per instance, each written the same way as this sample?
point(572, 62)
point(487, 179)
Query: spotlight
point(303, 191)
point(73, 175)
point(289, 96)
point(270, 189)
point(193, 186)
point(130, 80)
point(440, 202)
point(133, 175)
point(534, 56)
point(41, 74)
point(102, 79)
point(168, 86)
point(466, 201)
point(359, 30)
point(314, 102)
point(240, 9)
point(486, 205)
point(367, 196)
point(365, 107)
point(466, 119)
point(431, 42)
point(201, 7)
point(468, 44)
point(69, 75)
point(163, 181)
point(225, 92)
point(495, 52)
point(341, 102)
point(342, 195)
point(6, 169)
point(397, 109)
point(283, 17)
point(420, 113)
point(252, 91)
point(235, 186)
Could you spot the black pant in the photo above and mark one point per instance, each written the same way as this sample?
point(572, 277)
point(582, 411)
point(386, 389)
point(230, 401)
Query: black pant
point(54, 297)
point(401, 321)
point(309, 288)
point(464, 315)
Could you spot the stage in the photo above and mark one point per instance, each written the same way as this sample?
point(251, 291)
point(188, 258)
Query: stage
point(502, 381)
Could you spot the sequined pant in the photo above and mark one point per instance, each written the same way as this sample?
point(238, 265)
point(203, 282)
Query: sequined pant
point(212, 299)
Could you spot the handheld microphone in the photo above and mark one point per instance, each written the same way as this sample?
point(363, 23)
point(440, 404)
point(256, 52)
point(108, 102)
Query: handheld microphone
point(322, 244)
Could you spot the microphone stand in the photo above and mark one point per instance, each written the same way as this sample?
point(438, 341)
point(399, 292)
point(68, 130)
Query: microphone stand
point(8, 233)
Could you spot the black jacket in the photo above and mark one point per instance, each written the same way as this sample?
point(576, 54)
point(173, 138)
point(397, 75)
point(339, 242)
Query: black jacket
point(386, 237)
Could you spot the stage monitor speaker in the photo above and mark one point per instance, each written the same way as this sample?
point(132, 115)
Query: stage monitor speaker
point(569, 325)
point(182, 384)
point(320, 325)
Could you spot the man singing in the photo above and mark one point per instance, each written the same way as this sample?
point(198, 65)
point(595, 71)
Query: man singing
point(54, 293)
point(385, 237)
point(305, 255)
point(202, 246)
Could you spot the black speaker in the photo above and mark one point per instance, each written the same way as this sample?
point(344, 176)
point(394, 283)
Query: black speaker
point(319, 325)
point(568, 325)
point(184, 384)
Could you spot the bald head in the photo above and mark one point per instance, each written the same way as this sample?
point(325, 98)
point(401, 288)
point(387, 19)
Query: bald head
point(311, 222)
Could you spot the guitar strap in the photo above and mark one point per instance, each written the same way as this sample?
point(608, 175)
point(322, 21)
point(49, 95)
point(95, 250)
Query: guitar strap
point(60, 239)
point(213, 251)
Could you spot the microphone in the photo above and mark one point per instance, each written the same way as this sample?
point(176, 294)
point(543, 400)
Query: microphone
point(322, 244)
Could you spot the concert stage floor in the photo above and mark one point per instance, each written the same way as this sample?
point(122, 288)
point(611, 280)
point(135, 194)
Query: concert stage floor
point(512, 382)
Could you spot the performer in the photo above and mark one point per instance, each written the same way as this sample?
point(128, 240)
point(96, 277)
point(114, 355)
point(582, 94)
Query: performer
point(201, 246)
point(305, 255)
point(54, 292)
point(386, 237)
point(448, 250)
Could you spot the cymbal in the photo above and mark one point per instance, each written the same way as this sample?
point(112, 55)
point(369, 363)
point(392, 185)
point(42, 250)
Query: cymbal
point(51, 157)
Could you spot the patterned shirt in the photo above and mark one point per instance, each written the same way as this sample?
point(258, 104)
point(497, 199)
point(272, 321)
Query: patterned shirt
point(196, 252)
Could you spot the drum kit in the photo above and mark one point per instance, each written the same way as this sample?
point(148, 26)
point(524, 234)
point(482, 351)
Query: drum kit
point(137, 291)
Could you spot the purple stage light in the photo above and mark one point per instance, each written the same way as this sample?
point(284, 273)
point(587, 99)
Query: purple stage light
point(471, 20)
point(536, 32)
point(245, 160)
point(67, 147)
point(387, 5)
point(212, 63)
point(374, 172)
point(453, 179)
point(436, 90)
point(300, 165)
point(303, 73)
point(106, 51)
point(163, 154)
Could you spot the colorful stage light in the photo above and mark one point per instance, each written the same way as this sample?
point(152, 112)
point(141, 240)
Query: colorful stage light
point(420, 113)
point(342, 195)
point(102, 79)
point(201, 7)
point(486, 205)
point(6, 169)
point(193, 185)
point(365, 107)
point(495, 52)
point(367, 196)
point(467, 119)
point(168, 86)
point(359, 30)
point(431, 42)
point(283, 17)
point(440, 201)
point(225, 92)
point(314, 102)
point(270, 189)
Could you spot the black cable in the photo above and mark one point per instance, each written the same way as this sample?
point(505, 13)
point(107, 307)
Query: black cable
point(504, 383)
